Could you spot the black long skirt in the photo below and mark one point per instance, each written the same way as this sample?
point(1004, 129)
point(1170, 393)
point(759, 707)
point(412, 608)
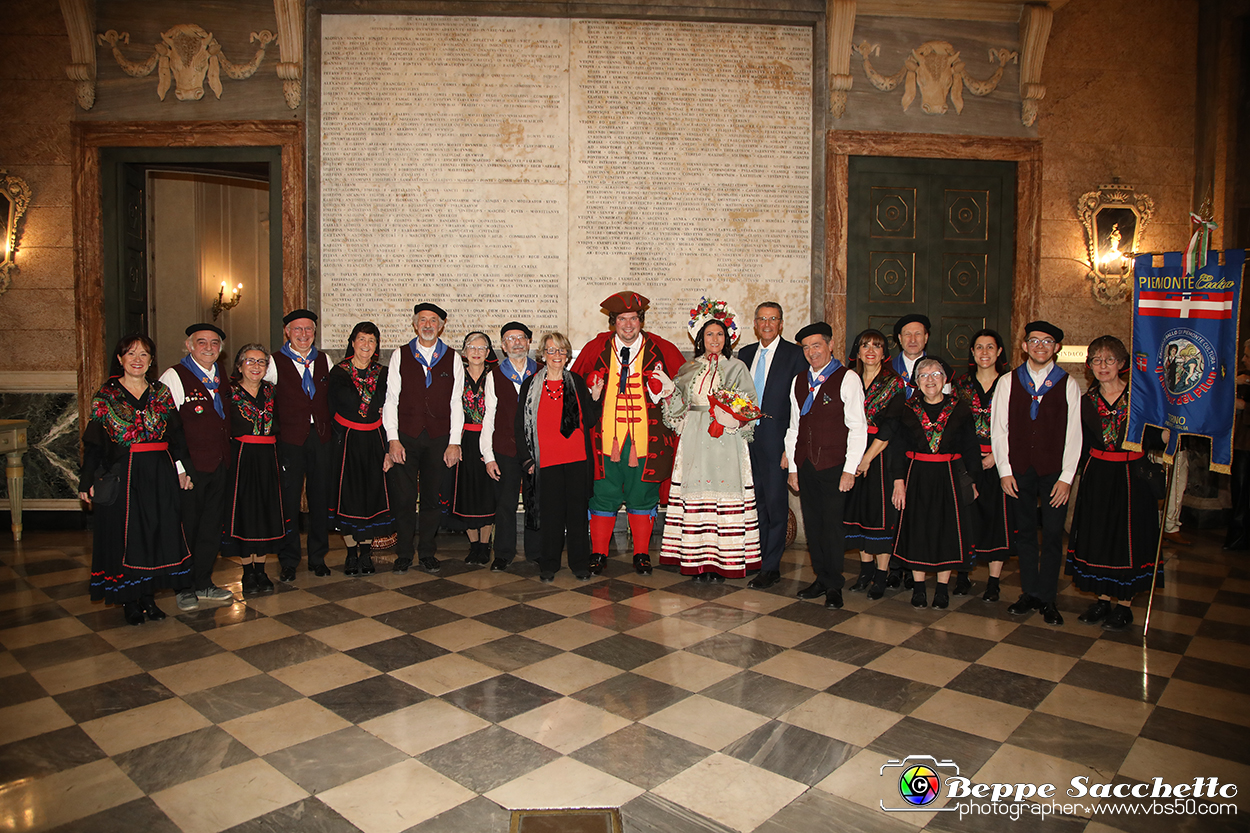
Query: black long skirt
point(993, 516)
point(870, 518)
point(360, 505)
point(139, 547)
point(256, 521)
point(1115, 530)
point(468, 491)
point(935, 525)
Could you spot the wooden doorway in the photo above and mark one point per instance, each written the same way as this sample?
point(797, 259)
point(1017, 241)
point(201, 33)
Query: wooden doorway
point(1026, 153)
point(930, 236)
point(92, 139)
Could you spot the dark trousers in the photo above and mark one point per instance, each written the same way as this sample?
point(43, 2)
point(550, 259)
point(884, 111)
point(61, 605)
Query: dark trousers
point(1239, 519)
point(423, 469)
point(563, 504)
point(1039, 569)
point(772, 504)
point(506, 487)
point(203, 517)
point(822, 504)
point(305, 468)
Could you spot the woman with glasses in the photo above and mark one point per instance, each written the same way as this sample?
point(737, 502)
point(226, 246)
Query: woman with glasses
point(712, 528)
point(555, 414)
point(987, 361)
point(256, 523)
point(469, 493)
point(870, 517)
point(132, 438)
point(360, 507)
point(933, 457)
point(1115, 524)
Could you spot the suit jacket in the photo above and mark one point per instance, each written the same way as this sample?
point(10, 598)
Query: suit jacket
point(787, 362)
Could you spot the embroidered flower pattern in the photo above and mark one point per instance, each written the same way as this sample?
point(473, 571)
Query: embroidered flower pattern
point(126, 425)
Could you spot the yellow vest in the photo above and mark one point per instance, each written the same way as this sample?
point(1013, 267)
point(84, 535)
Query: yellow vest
point(624, 413)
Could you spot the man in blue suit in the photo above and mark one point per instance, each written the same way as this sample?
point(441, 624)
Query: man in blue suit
point(774, 362)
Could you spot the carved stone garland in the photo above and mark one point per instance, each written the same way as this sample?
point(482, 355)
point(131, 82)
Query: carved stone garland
point(185, 56)
point(936, 69)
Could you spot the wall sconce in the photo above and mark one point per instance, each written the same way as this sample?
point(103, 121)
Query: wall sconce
point(222, 305)
point(1114, 218)
point(14, 198)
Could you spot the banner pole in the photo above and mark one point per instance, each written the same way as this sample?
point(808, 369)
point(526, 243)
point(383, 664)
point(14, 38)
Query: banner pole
point(1154, 576)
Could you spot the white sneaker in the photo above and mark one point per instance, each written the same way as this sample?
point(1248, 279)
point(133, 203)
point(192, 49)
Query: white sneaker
point(213, 593)
point(187, 600)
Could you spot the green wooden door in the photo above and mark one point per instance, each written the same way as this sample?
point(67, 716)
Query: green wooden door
point(931, 236)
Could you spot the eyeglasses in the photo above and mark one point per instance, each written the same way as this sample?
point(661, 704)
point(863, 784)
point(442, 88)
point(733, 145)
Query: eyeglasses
point(254, 362)
point(555, 351)
point(1104, 361)
point(936, 374)
point(1045, 342)
point(476, 348)
point(768, 319)
point(514, 339)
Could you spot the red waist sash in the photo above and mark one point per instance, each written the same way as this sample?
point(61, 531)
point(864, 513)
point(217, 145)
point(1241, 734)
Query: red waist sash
point(358, 426)
point(149, 447)
point(1116, 456)
point(252, 438)
point(933, 458)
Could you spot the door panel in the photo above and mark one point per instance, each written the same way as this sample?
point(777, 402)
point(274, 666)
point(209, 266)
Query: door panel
point(935, 237)
point(134, 271)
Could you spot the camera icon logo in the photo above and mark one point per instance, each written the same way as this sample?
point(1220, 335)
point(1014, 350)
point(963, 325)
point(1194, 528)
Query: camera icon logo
point(919, 782)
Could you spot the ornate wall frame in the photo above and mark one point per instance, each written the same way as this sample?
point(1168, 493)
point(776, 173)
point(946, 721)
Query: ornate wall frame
point(14, 199)
point(1114, 218)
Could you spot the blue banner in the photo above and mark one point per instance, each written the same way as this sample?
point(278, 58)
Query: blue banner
point(1185, 350)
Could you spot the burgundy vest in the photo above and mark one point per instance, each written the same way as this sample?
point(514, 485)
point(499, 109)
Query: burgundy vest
point(506, 399)
point(1037, 443)
point(822, 431)
point(295, 410)
point(422, 408)
point(208, 435)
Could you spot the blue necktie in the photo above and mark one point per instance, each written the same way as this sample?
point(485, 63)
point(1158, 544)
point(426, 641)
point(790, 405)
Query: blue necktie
point(760, 373)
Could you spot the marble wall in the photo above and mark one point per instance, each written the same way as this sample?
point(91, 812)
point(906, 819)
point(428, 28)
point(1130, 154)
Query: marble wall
point(1120, 101)
point(51, 458)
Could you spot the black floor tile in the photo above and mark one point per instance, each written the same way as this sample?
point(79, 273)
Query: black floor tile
point(1093, 746)
point(473, 815)
point(759, 693)
point(287, 651)
point(1200, 734)
point(46, 754)
point(1050, 640)
point(736, 649)
point(197, 754)
point(641, 755)
point(430, 591)
point(417, 618)
point(140, 814)
point(517, 618)
point(172, 651)
point(807, 613)
point(510, 756)
point(19, 688)
point(113, 697)
point(501, 698)
point(843, 647)
point(613, 590)
point(399, 652)
point(351, 588)
point(885, 691)
point(632, 696)
point(241, 697)
point(791, 752)
point(317, 617)
point(1004, 686)
point(511, 652)
point(623, 651)
point(619, 618)
point(911, 736)
point(947, 644)
point(369, 698)
point(1122, 682)
point(307, 816)
point(1214, 674)
point(21, 616)
point(330, 760)
point(648, 813)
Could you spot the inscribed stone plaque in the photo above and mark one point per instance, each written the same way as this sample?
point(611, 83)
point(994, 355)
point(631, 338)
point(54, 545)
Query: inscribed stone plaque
point(527, 168)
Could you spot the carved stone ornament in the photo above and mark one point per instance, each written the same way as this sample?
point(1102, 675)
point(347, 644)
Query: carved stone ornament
point(185, 56)
point(1115, 218)
point(290, 14)
point(937, 70)
point(840, 15)
point(79, 18)
point(14, 199)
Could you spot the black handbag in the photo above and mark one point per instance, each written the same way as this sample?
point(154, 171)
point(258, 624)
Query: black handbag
point(107, 485)
point(1154, 476)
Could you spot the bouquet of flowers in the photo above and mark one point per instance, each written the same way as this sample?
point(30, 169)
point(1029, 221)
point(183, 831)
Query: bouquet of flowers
point(735, 407)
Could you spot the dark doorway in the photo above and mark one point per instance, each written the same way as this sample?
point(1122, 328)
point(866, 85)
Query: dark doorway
point(935, 237)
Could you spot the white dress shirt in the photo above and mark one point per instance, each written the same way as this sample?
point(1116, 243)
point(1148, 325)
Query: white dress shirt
point(852, 393)
point(173, 381)
point(765, 355)
point(395, 383)
point(999, 409)
point(492, 404)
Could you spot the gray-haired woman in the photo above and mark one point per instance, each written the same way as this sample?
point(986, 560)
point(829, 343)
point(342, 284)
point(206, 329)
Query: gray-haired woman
point(555, 414)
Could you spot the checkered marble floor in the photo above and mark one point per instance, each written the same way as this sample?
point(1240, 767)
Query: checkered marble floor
point(438, 703)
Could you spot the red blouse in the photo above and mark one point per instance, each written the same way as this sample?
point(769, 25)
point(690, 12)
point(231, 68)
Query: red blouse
point(553, 448)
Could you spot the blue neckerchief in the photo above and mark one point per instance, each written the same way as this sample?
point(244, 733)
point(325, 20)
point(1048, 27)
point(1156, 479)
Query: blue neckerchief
point(1053, 378)
point(509, 370)
point(815, 380)
point(308, 385)
point(900, 367)
point(209, 382)
point(439, 349)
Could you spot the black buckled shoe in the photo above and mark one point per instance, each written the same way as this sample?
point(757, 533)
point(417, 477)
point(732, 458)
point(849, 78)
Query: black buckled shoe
point(642, 564)
point(1118, 619)
point(1096, 612)
point(941, 597)
point(148, 605)
point(597, 563)
point(862, 583)
point(918, 597)
point(133, 613)
point(287, 574)
point(351, 564)
point(963, 585)
point(365, 564)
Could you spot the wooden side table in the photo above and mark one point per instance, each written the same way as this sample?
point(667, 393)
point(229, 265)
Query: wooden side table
point(13, 445)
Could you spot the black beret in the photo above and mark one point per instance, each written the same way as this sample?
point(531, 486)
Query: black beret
point(818, 328)
point(911, 318)
point(434, 308)
point(296, 314)
point(199, 328)
point(1043, 327)
point(516, 325)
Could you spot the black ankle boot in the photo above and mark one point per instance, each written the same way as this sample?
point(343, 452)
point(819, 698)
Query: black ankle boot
point(351, 562)
point(962, 584)
point(991, 590)
point(865, 576)
point(133, 613)
point(263, 582)
point(941, 597)
point(919, 595)
point(877, 590)
point(365, 564)
point(148, 605)
point(250, 585)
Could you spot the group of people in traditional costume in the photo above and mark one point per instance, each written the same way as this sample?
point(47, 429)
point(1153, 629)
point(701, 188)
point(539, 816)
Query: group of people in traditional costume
point(919, 471)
